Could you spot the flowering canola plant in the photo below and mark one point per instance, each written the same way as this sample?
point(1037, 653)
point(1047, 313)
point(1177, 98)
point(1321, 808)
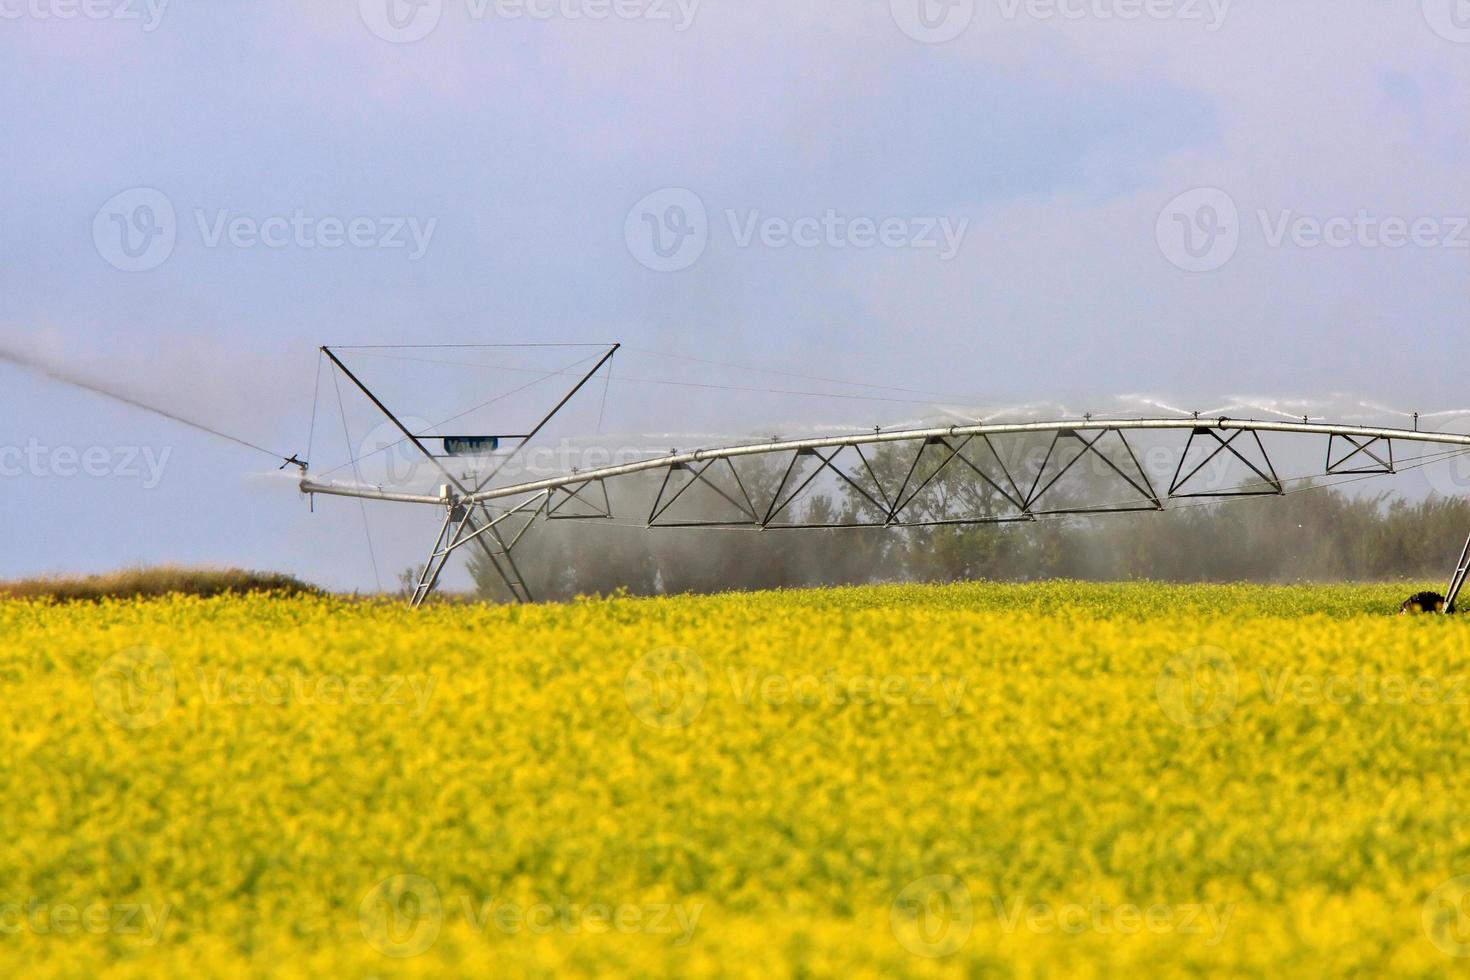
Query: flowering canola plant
point(1049, 780)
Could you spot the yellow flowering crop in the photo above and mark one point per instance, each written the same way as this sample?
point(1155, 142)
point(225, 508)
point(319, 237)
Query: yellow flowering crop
point(1057, 780)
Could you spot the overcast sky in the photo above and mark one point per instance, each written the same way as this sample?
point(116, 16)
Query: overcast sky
point(1016, 201)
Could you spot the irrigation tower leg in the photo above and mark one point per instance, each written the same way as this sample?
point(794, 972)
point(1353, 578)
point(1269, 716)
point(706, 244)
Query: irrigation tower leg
point(451, 536)
point(1462, 571)
point(465, 524)
point(502, 562)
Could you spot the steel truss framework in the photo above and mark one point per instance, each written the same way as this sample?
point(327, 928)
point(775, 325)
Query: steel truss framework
point(468, 518)
point(465, 524)
point(900, 488)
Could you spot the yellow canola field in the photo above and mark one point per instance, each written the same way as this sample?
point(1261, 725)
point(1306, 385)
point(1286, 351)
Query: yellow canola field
point(1059, 780)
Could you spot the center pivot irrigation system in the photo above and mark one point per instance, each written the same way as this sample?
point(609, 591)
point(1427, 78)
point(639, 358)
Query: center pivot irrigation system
point(889, 476)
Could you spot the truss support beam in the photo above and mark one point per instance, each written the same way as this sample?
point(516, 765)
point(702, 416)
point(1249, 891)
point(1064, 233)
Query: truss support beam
point(1352, 449)
point(697, 476)
point(584, 494)
point(1270, 484)
point(503, 562)
point(780, 503)
point(1137, 481)
point(1359, 456)
point(1012, 495)
point(1460, 441)
point(904, 496)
